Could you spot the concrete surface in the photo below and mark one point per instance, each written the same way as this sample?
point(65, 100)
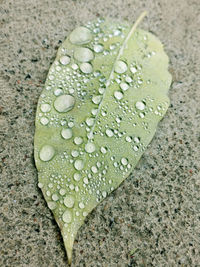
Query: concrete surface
point(155, 213)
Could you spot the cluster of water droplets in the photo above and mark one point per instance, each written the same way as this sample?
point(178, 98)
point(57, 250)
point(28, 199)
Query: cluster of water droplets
point(71, 85)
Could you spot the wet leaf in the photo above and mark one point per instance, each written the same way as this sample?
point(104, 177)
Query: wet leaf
point(103, 98)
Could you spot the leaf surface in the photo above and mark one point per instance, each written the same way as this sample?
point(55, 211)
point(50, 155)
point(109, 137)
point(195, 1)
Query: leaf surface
point(103, 98)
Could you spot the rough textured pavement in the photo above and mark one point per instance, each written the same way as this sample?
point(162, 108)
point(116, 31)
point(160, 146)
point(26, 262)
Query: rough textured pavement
point(155, 214)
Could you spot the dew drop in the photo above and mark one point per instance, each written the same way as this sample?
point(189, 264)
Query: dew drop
point(67, 216)
point(85, 180)
point(86, 67)
point(77, 176)
point(104, 194)
point(80, 35)
point(62, 191)
point(64, 103)
point(133, 70)
point(96, 99)
point(52, 205)
point(109, 133)
point(90, 148)
point(135, 148)
point(128, 139)
point(124, 86)
point(64, 60)
point(66, 133)
point(140, 105)
point(90, 121)
point(44, 121)
point(58, 92)
point(120, 67)
point(83, 54)
point(69, 201)
point(78, 164)
point(55, 197)
point(45, 107)
point(81, 205)
point(75, 153)
point(124, 161)
point(103, 150)
point(128, 79)
point(98, 48)
point(94, 169)
point(118, 95)
point(46, 153)
point(78, 140)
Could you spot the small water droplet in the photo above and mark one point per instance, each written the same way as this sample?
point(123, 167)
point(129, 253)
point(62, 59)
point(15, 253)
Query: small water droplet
point(128, 79)
point(44, 121)
point(120, 67)
point(58, 92)
point(140, 105)
point(78, 164)
point(135, 148)
point(118, 95)
point(80, 35)
point(66, 133)
point(98, 48)
point(55, 197)
point(81, 205)
point(46, 153)
point(103, 150)
point(96, 99)
point(75, 153)
point(104, 194)
point(64, 103)
point(128, 139)
point(67, 216)
point(90, 148)
point(69, 201)
point(85, 180)
point(94, 169)
point(78, 140)
point(77, 176)
point(52, 205)
point(45, 107)
point(109, 133)
point(90, 121)
point(62, 191)
point(124, 86)
point(64, 60)
point(124, 161)
point(133, 70)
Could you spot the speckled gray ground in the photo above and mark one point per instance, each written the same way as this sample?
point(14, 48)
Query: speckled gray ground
point(156, 211)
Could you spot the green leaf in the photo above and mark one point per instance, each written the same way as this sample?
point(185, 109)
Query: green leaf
point(103, 98)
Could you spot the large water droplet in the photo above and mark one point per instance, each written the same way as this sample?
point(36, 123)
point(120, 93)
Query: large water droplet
point(89, 147)
point(83, 54)
point(80, 35)
point(120, 67)
point(67, 216)
point(78, 164)
point(69, 201)
point(46, 153)
point(86, 67)
point(64, 103)
point(66, 133)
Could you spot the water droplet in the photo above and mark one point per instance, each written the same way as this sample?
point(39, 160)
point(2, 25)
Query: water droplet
point(74, 66)
point(70, 124)
point(118, 95)
point(44, 121)
point(75, 153)
point(98, 48)
point(85, 180)
point(67, 216)
point(62, 191)
point(58, 92)
point(136, 139)
point(46, 153)
point(135, 148)
point(120, 67)
point(77, 176)
point(85, 213)
point(140, 105)
point(81, 205)
point(109, 133)
point(86, 67)
point(51, 205)
point(128, 79)
point(128, 139)
point(124, 86)
point(94, 111)
point(124, 161)
point(40, 185)
point(69, 201)
point(45, 107)
point(104, 194)
point(90, 148)
point(133, 70)
point(103, 150)
point(78, 140)
point(96, 99)
point(64, 103)
point(71, 186)
point(90, 121)
point(80, 35)
point(66, 133)
point(83, 54)
point(94, 169)
point(78, 165)
point(55, 197)
point(64, 60)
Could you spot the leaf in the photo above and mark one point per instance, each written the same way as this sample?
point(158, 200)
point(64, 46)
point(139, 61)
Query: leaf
point(103, 98)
